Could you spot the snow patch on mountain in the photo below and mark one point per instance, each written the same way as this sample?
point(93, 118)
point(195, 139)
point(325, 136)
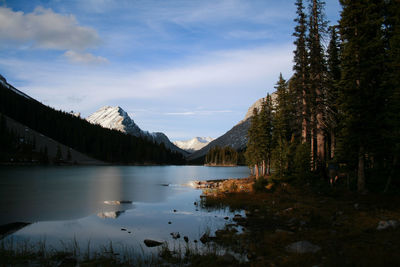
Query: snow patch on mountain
point(118, 119)
point(193, 144)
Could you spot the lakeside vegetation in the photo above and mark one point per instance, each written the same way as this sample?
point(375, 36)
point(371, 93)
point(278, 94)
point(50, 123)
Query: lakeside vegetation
point(224, 156)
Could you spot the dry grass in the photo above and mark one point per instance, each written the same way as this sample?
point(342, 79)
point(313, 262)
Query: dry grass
point(343, 224)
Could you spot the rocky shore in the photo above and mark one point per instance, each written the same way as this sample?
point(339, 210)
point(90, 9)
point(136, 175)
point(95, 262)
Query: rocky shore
point(215, 187)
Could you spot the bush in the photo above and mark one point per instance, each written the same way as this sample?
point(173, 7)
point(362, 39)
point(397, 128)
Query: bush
point(260, 184)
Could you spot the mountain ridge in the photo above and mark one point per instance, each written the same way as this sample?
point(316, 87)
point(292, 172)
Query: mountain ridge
point(193, 144)
point(115, 118)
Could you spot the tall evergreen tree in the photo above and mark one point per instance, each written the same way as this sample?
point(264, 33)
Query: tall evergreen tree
point(317, 29)
point(282, 131)
point(266, 127)
point(300, 78)
point(392, 86)
point(361, 84)
point(333, 79)
point(253, 152)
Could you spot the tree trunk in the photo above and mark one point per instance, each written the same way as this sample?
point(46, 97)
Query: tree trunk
point(263, 168)
point(304, 123)
point(333, 144)
point(257, 170)
point(361, 171)
point(320, 143)
point(389, 180)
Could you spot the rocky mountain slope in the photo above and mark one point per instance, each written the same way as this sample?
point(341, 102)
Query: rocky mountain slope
point(193, 144)
point(118, 119)
point(235, 137)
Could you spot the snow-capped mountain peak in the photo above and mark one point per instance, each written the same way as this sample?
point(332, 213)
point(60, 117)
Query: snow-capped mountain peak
point(115, 118)
point(118, 119)
point(194, 144)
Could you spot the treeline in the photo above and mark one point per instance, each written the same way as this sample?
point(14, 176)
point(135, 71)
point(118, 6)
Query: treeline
point(342, 105)
point(93, 140)
point(15, 148)
point(220, 156)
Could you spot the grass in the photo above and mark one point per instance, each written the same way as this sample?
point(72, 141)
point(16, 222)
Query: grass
point(342, 223)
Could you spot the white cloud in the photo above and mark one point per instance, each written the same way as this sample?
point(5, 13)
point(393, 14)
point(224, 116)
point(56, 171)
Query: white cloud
point(46, 29)
point(85, 58)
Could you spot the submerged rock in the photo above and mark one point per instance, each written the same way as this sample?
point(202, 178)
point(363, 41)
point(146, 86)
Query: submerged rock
point(301, 247)
point(152, 243)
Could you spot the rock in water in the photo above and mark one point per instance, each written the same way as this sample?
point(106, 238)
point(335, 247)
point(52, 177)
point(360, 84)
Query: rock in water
point(301, 247)
point(152, 243)
point(383, 225)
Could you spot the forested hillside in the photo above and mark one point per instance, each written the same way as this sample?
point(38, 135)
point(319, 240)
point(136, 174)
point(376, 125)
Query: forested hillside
point(93, 140)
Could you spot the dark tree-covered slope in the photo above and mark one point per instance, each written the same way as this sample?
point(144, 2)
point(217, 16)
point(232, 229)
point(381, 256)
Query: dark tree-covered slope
point(93, 140)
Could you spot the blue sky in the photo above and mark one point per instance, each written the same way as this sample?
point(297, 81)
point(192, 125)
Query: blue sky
point(186, 68)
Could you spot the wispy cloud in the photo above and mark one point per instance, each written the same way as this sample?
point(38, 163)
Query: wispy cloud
point(197, 112)
point(249, 35)
point(85, 58)
point(225, 72)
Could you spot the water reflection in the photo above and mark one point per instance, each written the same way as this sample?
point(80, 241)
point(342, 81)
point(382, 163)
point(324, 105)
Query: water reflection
point(110, 203)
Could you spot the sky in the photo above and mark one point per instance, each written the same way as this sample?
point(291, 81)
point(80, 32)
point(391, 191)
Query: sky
point(186, 68)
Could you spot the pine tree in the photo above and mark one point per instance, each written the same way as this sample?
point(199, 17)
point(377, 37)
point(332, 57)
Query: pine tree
point(361, 84)
point(253, 153)
point(300, 78)
point(281, 131)
point(392, 86)
point(317, 30)
point(266, 127)
point(333, 79)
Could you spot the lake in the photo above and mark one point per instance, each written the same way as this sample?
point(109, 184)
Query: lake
point(102, 204)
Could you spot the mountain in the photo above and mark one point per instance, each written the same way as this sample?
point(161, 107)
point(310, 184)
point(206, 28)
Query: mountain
point(193, 144)
point(235, 137)
point(116, 118)
point(20, 113)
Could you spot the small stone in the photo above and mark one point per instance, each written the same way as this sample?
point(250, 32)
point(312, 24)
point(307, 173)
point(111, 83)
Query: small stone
point(301, 247)
point(226, 218)
point(152, 243)
point(383, 225)
point(123, 229)
point(204, 238)
point(174, 210)
point(228, 258)
point(283, 231)
point(169, 222)
point(175, 235)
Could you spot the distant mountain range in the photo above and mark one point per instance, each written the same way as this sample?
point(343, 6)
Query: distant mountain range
point(235, 137)
point(193, 144)
point(118, 119)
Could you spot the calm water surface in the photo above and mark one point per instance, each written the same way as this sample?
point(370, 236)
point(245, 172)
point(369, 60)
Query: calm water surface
point(79, 203)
